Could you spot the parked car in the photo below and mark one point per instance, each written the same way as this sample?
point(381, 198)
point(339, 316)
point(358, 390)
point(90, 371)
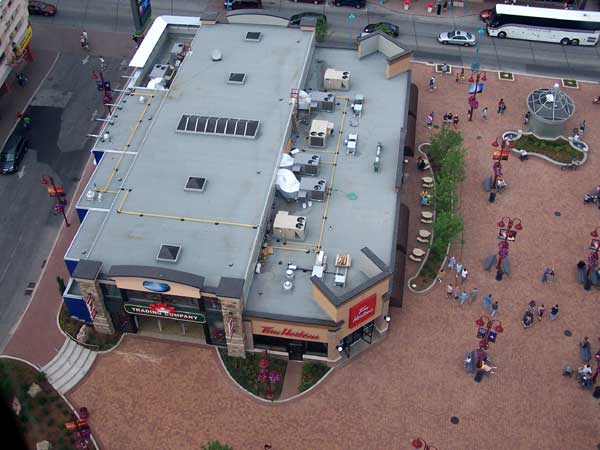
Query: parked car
point(358, 4)
point(485, 14)
point(36, 7)
point(384, 27)
point(316, 2)
point(457, 37)
point(12, 153)
point(297, 18)
point(243, 4)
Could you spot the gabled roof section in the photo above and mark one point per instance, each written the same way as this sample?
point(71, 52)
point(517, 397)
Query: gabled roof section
point(383, 43)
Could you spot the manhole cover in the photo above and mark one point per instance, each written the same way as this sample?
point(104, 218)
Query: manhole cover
point(351, 196)
point(454, 420)
point(557, 213)
point(568, 333)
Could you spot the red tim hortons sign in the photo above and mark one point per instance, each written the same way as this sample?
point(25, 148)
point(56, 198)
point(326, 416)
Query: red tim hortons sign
point(362, 311)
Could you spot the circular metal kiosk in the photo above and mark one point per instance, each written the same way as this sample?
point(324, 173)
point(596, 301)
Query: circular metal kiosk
point(549, 109)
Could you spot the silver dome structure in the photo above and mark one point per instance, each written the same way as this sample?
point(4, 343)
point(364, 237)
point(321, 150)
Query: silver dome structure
point(549, 109)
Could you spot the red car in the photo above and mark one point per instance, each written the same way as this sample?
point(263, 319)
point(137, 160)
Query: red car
point(485, 14)
point(36, 7)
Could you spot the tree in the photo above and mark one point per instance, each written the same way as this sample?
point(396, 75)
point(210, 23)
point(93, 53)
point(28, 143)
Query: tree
point(441, 142)
point(216, 445)
point(453, 164)
point(321, 30)
point(445, 229)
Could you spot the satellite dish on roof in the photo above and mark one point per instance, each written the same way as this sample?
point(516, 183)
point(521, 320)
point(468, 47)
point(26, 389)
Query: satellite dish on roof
point(216, 55)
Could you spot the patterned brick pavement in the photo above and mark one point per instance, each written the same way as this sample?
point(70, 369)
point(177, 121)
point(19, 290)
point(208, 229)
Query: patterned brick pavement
point(160, 395)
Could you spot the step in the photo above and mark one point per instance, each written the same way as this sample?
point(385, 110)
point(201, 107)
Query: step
point(52, 365)
point(70, 384)
point(67, 361)
point(73, 367)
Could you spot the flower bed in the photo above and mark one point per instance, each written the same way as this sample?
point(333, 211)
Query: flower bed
point(246, 372)
point(559, 150)
point(42, 417)
point(311, 374)
point(446, 156)
point(96, 341)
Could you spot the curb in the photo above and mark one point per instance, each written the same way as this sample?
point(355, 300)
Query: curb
point(544, 157)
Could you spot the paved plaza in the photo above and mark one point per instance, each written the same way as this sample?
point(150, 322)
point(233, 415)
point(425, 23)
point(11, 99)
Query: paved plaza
point(150, 394)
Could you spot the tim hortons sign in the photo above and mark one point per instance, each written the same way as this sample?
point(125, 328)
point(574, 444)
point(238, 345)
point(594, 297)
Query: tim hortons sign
point(362, 311)
point(289, 333)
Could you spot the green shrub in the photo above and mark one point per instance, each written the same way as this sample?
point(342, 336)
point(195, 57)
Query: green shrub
point(311, 374)
point(44, 411)
point(50, 422)
point(42, 399)
point(41, 377)
point(321, 30)
point(216, 445)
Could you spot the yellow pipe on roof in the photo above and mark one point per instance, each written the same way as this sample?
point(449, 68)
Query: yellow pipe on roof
point(292, 249)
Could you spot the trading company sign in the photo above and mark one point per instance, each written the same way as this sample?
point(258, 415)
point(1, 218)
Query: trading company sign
point(160, 310)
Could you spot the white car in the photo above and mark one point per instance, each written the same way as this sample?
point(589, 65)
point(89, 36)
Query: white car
point(457, 37)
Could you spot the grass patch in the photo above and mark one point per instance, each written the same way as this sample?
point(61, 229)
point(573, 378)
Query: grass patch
point(311, 374)
point(41, 418)
point(558, 150)
point(245, 372)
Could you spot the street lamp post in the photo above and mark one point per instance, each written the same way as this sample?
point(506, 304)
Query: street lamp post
point(593, 257)
point(351, 18)
point(59, 196)
point(484, 331)
point(498, 156)
point(508, 228)
point(420, 443)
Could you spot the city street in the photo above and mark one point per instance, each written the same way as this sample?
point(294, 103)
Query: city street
point(63, 112)
point(418, 31)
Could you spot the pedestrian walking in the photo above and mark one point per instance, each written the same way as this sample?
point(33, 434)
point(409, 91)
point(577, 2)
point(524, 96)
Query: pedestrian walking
point(26, 121)
point(441, 276)
point(541, 311)
point(449, 291)
point(582, 128)
point(455, 120)
point(464, 274)
point(102, 62)
point(22, 79)
point(484, 113)
point(554, 312)
point(429, 120)
point(463, 297)
point(531, 307)
point(84, 34)
point(474, 294)
point(459, 268)
point(501, 105)
point(586, 350)
point(462, 75)
point(548, 275)
point(451, 263)
point(84, 43)
point(494, 309)
point(432, 84)
point(487, 301)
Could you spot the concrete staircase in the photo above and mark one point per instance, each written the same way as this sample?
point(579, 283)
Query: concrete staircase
point(69, 366)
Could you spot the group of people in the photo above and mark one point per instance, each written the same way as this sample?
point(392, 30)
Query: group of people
point(450, 118)
point(422, 163)
point(548, 275)
point(587, 376)
point(533, 310)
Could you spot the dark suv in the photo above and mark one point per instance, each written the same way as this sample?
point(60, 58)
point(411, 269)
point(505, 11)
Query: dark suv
point(243, 4)
point(12, 153)
point(358, 4)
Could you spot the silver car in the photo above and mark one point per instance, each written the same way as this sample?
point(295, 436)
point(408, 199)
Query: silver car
point(457, 37)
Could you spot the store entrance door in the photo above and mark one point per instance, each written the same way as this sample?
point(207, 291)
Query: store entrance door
point(295, 350)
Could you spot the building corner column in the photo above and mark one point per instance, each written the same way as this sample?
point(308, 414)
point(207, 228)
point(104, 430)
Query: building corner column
point(234, 328)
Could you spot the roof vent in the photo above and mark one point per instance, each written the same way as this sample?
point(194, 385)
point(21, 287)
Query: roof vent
point(169, 253)
point(253, 36)
point(216, 55)
point(195, 184)
point(236, 78)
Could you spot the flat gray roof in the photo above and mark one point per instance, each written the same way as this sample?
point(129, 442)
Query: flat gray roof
point(239, 171)
point(363, 206)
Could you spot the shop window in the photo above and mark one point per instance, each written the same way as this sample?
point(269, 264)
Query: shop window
point(188, 302)
point(111, 291)
point(271, 343)
point(316, 348)
point(149, 297)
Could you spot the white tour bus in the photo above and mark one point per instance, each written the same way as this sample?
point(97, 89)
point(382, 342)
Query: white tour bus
point(544, 24)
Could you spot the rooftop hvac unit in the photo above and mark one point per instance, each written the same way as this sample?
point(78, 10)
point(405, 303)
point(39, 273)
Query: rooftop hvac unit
point(307, 164)
point(159, 71)
point(288, 227)
point(323, 101)
point(319, 130)
point(336, 80)
point(313, 189)
point(177, 48)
